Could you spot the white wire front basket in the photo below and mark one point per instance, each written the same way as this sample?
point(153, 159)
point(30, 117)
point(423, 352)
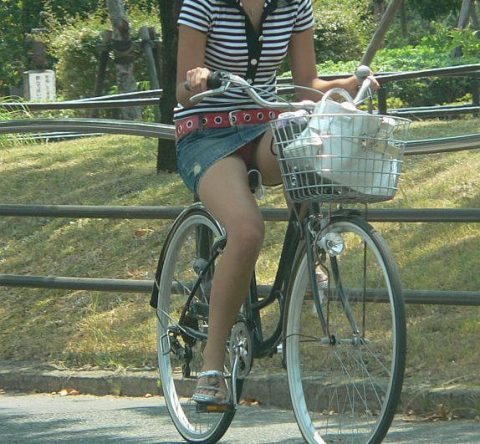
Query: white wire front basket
point(339, 156)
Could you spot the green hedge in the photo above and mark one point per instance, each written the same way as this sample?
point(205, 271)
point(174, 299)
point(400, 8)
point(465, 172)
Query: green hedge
point(435, 51)
point(341, 33)
point(427, 91)
point(342, 28)
point(75, 46)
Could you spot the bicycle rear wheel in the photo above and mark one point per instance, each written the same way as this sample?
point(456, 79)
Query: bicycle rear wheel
point(345, 378)
point(186, 267)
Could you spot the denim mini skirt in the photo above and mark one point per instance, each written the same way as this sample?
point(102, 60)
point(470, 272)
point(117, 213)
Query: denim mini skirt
point(198, 151)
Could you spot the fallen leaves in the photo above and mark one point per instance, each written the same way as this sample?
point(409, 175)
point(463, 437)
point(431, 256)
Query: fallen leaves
point(141, 232)
point(250, 402)
point(66, 392)
point(443, 413)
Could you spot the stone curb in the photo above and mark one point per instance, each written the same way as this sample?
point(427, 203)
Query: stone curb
point(270, 390)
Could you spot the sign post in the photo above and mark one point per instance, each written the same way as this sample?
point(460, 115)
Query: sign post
point(39, 85)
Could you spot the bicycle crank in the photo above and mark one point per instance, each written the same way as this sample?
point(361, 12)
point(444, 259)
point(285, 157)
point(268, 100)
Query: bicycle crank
point(240, 350)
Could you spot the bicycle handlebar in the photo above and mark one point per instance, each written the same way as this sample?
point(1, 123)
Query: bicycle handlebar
point(221, 81)
point(364, 91)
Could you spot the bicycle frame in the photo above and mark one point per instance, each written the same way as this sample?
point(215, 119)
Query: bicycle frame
point(278, 292)
point(298, 230)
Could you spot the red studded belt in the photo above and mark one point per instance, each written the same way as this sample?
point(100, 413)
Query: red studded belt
point(223, 120)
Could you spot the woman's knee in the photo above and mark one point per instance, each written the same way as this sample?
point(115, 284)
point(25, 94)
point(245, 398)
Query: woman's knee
point(246, 235)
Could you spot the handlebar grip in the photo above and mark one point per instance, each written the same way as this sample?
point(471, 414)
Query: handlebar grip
point(364, 82)
point(362, 72)
point(215, 80)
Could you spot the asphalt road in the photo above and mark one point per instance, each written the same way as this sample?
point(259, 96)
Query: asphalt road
point(43, 418)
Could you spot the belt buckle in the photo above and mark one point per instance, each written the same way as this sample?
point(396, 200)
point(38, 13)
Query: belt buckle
point(232, 117)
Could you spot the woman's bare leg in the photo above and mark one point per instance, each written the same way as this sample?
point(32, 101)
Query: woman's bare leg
point(224, 191)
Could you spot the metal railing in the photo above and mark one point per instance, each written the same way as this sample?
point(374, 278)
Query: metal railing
point(102, 126)
point(472, 71)
point(163, 131)
point(152, 97)
point(270, 214)
point(70, 128)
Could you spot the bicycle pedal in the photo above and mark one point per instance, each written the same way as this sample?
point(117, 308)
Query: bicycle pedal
point(221, 408)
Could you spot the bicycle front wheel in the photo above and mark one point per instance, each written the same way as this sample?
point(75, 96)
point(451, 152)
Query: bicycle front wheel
point(183, 278)
point(345, 374)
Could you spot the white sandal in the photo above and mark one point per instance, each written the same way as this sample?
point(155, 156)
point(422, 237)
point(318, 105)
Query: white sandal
point(215, 386)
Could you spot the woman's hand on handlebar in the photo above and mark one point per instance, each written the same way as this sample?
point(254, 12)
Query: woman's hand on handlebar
point(196, 80)
point(193, 82)
point(353, 84)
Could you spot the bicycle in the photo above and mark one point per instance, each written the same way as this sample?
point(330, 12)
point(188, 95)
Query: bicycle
point(341, 323)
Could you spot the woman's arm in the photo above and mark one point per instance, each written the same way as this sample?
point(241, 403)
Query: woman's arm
point(191, 72)
point(302, 63)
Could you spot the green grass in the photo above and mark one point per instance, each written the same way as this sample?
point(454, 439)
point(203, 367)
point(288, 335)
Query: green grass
point(82, 328)
point(8, 139)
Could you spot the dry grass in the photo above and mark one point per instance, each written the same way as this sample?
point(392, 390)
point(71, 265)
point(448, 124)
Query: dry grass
point(80, 328)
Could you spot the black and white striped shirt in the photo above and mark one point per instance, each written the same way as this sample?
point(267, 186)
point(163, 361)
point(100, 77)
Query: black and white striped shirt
point(233, 45)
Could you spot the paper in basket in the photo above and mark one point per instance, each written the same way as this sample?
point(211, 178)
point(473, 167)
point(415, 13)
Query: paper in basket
point(348, 147)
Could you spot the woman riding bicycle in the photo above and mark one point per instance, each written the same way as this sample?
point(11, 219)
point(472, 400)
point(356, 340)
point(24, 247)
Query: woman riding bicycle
point(221, 138)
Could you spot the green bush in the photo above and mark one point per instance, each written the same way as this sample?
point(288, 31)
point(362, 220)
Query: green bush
point(341, 29)
point(12, 53)
point(75, 45)
point(433, 9)
point(434, 51)
point(415, 92)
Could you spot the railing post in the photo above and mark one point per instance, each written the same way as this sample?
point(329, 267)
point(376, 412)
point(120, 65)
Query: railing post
point(147, 45)
point(103, 58)
point(382, 100)
point(476, 92)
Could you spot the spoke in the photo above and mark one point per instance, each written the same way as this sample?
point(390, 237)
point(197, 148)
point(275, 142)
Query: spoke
point(309, 339)
point(369, 378)
point(185, 288)
point(348, 373)
point(374, 355)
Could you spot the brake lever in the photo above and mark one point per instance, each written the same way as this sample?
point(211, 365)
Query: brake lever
point(365, 90)
point(210, 92)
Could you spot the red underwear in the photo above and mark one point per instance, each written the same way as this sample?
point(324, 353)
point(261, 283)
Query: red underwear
point(246, 153)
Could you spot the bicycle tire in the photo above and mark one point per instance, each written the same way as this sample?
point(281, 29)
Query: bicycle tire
point(174, 280)
point(346, 387)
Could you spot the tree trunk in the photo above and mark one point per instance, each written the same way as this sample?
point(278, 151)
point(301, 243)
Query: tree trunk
point(123, 55)
point(379, 7)
point(169, 9)
point(377, 39)
point(148, 45)
point(403, 21)
point(474, 17)
point(467, 5)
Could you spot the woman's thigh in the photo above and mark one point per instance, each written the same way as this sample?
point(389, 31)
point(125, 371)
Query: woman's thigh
point(224, 190)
